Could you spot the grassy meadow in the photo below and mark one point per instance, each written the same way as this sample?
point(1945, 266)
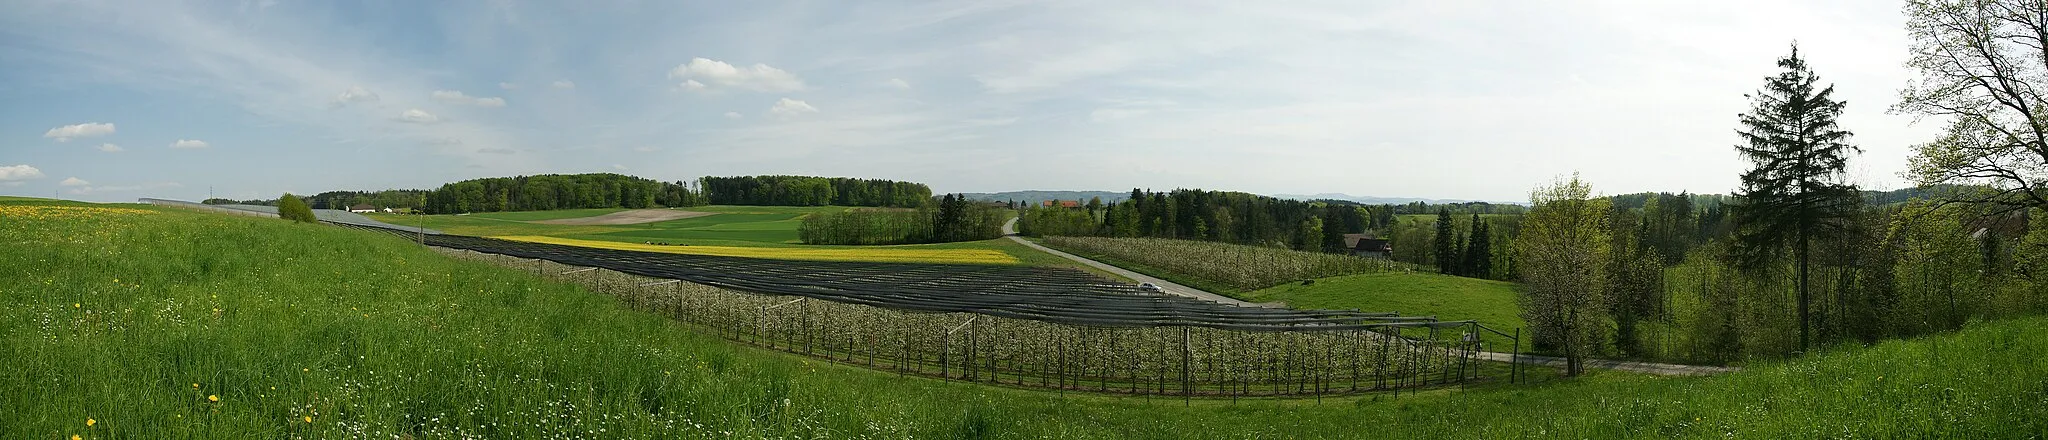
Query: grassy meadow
point(126, 321)
point(1492, 303)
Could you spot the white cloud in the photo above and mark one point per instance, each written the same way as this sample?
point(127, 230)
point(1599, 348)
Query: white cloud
point(564, 84)
point(507, 86)
point(354, 94)
point(189, 144)
point(111, 148)
point(691, 86)
point(791, 107)
point(19, 172)
point(899, 83)
point(418, 116)
point(74, 181)
point(457, 97)
point(618, 167)
point(89, 129)
point(758, 77)
point(734, 115)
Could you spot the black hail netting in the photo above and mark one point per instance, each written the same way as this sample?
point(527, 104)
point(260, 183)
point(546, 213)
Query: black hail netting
point(1061, 296)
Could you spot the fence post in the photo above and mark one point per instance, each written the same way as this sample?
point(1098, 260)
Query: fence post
point(1515, 359)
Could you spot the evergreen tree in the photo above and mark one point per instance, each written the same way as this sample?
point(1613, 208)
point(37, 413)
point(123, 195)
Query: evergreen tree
point(1794, 193)
point(1446, 245)
point(1479, 251)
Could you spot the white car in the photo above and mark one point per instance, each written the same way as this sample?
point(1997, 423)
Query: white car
point(1149, 287)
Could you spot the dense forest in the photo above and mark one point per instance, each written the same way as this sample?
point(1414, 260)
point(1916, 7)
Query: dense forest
point(391, 198)
point(607, 190)
point(558, 191)
point(1195, 214)
point(815, 191)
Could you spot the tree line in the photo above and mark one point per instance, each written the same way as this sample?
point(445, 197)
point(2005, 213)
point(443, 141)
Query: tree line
point(814, 191)
point(952, 218)
point(1223, 216)
point(557, 191)
point(608, 190)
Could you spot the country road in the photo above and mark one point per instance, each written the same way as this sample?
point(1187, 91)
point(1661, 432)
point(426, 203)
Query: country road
point(1010, 230)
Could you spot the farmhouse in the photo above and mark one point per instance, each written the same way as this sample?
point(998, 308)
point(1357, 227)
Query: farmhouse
point(362, 207)
point(1364, 245)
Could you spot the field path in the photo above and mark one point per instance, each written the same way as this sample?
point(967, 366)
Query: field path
point(1616, 365)
point(1010, 230)
point(632, 217)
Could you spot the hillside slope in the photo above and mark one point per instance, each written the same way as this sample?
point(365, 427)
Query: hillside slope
point(156, 323)
point(1492, 303)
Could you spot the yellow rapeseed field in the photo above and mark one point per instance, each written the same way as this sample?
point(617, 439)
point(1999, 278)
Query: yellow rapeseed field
point(44, 212)
point(869, 254)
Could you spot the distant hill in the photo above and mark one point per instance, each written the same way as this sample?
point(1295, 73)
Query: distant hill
point(1030, 197)
point(1374, 200)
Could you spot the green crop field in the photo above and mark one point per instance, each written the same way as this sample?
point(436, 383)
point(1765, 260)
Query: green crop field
point(1492, 303)
point(123, 321)
point(528, 216)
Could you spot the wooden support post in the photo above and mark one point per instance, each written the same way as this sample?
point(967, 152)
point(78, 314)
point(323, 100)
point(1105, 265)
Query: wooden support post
point(1515, 359)
point(1186, 362)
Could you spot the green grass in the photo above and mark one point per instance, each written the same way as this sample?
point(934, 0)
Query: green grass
point(372, 337)
point(529, 216)
point(1449, 298)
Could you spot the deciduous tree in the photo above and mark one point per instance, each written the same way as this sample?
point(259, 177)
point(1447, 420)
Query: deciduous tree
point(290, 207)
point(1564, 251)
point(1983, 66)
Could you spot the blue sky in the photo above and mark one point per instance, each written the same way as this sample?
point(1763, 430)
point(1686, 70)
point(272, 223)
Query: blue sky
point(113, 100)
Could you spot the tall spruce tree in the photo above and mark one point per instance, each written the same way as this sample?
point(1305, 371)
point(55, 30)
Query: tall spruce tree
point(1479, 251)
point(1446, 244)
point(1794, 193)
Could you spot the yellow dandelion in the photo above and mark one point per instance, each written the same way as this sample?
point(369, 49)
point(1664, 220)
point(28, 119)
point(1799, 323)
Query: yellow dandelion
point(74, 437)
point(305, 370)
point(117, 281)
point(309, 419)
point(75, 305)
point(195, 386)
point(213, 397)
point(89, 422)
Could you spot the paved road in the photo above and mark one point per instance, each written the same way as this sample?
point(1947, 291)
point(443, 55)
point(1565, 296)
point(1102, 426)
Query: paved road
point(1010, 229)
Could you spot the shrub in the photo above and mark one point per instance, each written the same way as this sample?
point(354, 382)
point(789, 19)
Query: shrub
point(291, 208)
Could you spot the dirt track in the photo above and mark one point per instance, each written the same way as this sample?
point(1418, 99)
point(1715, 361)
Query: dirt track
point(636, 216)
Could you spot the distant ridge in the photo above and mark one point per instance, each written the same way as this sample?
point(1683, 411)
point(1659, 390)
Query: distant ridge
point(1373, 200)
point(1035, 196)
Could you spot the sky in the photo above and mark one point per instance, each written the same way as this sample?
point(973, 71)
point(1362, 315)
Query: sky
point(114, 100)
